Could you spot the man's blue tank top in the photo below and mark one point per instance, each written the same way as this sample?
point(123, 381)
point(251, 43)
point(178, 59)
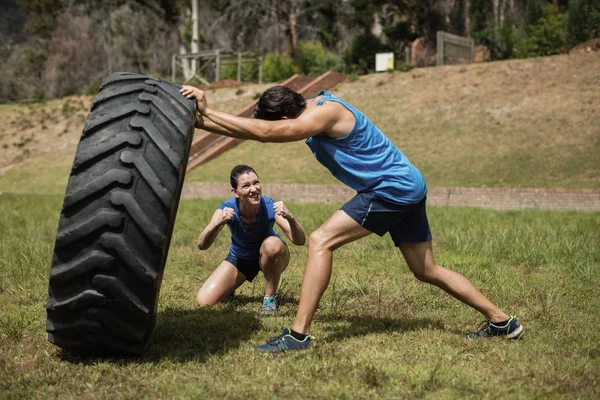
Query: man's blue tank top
point(367, 161)
point(244, 243)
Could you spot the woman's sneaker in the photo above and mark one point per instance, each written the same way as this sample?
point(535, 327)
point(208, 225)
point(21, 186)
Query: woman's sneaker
point(510, 330)
point(269, 306)
point(284, 342)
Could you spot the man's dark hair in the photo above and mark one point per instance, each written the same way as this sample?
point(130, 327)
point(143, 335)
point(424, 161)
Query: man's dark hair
point(278, 102)
point(237, 171)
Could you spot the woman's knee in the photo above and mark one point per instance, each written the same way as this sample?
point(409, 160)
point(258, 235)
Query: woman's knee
point(203, 302)
point(205, 299)
point(272, 246)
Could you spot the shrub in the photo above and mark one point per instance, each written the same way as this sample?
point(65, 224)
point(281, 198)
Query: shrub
point(249, 70)
point(583, 21)
point(278, 67)
point(403, 66)
point(500, 42)
point(545, 38)
point(359, 56)
point(313, 59)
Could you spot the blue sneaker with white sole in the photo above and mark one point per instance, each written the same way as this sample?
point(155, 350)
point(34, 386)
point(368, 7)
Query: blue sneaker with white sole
point(284, 342)
point(509, 330)
point(269, 306)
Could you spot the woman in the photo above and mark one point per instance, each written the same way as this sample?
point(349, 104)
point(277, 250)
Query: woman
point(255, 246)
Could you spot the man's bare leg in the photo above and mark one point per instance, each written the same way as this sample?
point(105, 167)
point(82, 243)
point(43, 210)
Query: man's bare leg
point(338, 230)
point(419, 257)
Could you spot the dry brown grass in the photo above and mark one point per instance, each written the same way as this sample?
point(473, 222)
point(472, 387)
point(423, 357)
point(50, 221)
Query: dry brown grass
point(519, 123)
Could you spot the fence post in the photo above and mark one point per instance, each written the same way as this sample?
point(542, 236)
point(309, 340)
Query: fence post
point(440, 48)
point(218, 65)
point(472, 50)
point(239, 67)
point(173, 67)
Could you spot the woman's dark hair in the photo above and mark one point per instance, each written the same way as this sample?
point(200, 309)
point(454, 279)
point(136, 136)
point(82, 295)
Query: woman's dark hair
point(278, 102)
point(237, 171)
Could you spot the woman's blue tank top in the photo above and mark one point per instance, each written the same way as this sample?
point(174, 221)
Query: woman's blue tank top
point(367, 161)
point(246, 243)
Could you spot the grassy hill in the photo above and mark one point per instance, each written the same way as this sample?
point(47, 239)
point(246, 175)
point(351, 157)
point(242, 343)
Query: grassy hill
point(519, 123)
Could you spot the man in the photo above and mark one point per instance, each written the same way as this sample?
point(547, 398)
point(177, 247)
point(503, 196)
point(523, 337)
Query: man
point(391, 198)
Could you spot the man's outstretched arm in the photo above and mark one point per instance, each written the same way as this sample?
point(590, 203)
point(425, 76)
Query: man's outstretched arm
point(287, 130)
point(208, 125)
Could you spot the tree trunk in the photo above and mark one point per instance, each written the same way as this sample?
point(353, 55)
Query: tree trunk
point(495, 10)
point(195, 36)
point(467, 10)
point(185, 65)
point(292, 22)
point(449, 7)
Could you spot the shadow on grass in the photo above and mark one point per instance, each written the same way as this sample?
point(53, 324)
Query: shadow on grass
point(364, 325)
point(187, 335)
point(183, 335)
point(242, 300)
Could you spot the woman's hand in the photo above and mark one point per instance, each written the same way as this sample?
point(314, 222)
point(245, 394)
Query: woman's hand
point(227, 215)
point(281, 209)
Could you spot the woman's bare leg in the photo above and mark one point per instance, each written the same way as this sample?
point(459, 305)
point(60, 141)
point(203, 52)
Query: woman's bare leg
point(220, 284)
point(274, 259)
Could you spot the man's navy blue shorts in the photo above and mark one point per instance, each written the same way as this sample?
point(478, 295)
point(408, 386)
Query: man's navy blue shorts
point(246, 266)
point(404, 222)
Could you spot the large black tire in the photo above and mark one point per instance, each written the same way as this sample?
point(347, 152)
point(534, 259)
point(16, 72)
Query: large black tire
point(118, 215)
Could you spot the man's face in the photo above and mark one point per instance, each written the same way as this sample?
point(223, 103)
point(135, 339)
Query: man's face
point(248, 188)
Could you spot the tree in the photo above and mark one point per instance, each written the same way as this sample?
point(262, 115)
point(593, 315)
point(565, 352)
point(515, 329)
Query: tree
point(252, 20)
point(583, 21)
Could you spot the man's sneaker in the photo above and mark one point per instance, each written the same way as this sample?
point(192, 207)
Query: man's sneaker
point(269, 306)
point(511, 330)
point(284, 342)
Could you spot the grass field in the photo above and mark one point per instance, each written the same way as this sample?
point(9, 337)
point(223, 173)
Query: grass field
point(379, 332)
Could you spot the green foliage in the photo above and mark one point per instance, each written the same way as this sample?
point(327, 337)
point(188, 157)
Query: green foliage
point(93, 88)
point(362, 17)
point(546, 37)
point(359, 56)
point(399, 35)
point(403, 66)
point(313, 59)
point(278, 67)
point(534, 11)
point(249, 70)
point(499, 41)
point(328, 34)
point(583, 22)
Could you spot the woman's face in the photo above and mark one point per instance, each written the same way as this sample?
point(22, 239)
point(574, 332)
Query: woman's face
point(248, 188)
